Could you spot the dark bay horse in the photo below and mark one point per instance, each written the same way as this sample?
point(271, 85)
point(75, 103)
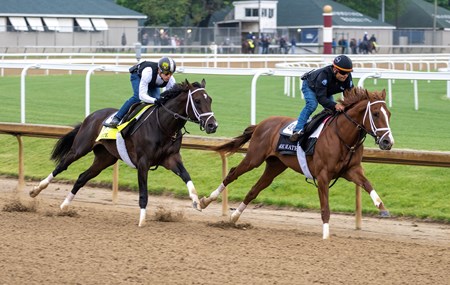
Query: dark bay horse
point(338, 151)
point(157, 141)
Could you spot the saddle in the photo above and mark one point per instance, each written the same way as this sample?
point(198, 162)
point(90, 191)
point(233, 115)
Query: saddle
point(131, 118)
point(306, 142)
point(128, 125)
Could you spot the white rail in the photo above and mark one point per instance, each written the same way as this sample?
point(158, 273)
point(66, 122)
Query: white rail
point(293, 72)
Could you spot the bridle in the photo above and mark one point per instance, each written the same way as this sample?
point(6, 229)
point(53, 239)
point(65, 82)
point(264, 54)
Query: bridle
point(190, 105)
point(361, 135)
point(373, 128)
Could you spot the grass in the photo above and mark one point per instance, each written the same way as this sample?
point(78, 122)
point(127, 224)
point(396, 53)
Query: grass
point(420, 192)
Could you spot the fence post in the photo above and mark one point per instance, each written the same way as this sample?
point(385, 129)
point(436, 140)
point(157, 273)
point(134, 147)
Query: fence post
point(358, 207)
point(225, 191)
point(23, 74)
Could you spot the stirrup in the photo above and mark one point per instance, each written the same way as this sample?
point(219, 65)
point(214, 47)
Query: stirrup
point(295, 136)
point(113, 123)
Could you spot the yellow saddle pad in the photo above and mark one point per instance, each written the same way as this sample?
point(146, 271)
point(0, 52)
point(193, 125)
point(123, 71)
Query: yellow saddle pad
point(107, 133)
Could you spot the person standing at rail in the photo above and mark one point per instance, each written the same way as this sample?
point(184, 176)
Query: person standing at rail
point(319, 86)
point(146, 80)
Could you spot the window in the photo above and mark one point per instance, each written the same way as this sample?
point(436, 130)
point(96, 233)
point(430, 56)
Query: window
point(52, 24)
point(270, 13)
point(263, 12)
point(85, 24)
point(251, 12)
point(99, 24)
point(18, 23)
point(35, 24)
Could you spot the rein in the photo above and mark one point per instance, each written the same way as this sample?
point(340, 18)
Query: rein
point(198, 115)
point(189, 103)
point(361, 134)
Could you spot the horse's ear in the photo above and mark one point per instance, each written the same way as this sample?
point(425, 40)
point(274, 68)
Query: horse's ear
point(383, 94)
point(203, 83)
point(187, 82)
point(369, 95)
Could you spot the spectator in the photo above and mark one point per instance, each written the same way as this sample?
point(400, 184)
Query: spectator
point(293, 45)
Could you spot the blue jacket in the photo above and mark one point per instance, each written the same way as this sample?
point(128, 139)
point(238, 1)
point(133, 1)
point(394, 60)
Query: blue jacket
point(324, 84)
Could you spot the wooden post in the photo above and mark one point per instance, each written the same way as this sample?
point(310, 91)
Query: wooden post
point(358, 208)
point(115, 188)
point(225, 191)
point(21, 184)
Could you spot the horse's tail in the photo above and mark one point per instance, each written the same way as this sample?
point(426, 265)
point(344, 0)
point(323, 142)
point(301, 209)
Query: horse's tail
point(233, 145)
point(64, 144)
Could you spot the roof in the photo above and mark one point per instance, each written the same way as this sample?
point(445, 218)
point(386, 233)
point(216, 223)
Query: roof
point(292, 13)
point(419, 14)
point(67, 8)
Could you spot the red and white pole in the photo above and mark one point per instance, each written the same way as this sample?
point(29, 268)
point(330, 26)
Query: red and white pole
point(327, 29)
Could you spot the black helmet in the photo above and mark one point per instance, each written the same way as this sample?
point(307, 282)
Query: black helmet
point(167, 65)
point(342, 62)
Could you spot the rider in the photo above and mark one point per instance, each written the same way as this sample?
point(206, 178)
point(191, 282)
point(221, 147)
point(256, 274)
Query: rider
point(146, 80)
point(319, 86)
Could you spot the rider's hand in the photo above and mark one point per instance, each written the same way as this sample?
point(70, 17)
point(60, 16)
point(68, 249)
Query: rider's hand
point(339, 107)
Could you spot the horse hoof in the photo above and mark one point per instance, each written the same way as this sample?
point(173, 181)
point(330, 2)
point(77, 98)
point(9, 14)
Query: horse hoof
point(384, 214)
point(204, 202)
point(196, 205)
point(33, 193)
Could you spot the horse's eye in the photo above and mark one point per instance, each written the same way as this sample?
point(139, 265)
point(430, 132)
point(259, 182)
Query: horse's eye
point(197, 101)
point(376, 114)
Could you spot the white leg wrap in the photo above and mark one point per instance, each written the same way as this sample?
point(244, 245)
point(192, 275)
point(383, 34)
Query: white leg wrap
point(237, 213)
point(192, 191)
point(375, 198)
point(326, 231)
point(193, 195)
point(217, 192)
point(142, 217)
point(67, 201)
point(44, 183)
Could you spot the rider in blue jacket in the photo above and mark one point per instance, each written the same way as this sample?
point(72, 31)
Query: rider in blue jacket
point(146, 80)
point(319, 86)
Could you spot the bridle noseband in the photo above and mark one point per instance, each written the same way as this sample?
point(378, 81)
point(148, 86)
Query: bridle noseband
point(373, 128)
point(197, 114)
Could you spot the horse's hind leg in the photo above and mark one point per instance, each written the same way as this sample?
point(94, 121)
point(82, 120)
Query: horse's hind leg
point(250, 161)
point(356, 175)
point(102, 160)
point(68, 149)
point(274, 167)
point(62, 166)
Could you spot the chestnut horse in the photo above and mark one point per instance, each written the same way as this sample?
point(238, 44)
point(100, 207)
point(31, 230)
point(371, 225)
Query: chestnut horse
point(338, 151)
point(156, 141)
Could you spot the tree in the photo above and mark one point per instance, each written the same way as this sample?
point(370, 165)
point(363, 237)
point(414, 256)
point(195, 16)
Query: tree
point(176, 13)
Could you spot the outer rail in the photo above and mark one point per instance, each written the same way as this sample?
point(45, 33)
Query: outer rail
point(398, 156)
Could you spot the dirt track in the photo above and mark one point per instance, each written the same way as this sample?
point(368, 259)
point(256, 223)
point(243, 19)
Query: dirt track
point(100, 243)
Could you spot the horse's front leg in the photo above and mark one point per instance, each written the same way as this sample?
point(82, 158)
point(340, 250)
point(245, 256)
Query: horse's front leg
point(323, 191)
point(143, 192)
point(356, 175)
point(176, 165)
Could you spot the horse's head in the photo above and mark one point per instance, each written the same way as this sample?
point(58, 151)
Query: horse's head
point(198, 107)
point(376, 115)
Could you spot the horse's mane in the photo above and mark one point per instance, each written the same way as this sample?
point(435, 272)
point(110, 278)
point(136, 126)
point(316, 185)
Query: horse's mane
point(176, 90)
point(358, 94)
